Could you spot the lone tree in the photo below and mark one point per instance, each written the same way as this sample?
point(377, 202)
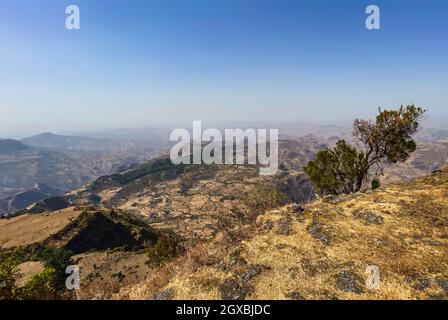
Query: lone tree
point(388, 140)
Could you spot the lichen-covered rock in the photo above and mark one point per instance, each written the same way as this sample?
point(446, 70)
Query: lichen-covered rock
point(231, 290)
point(317, 231)
point(368, 217)
point(349, 282)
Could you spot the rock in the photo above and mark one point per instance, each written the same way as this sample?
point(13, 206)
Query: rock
point(349, 282)
point(317, 231)
point(267, 226)
point(235, 261)
point(295, 296)
point(368, 217)
point(419, 283)
point(443, 283)
point(253, 271)
point(284, 226)
point(436, 297)
point(333, 199)
point(280, 246)
point(298, 212)
point(164, 294)
point(350, 264)
point(231, 290)
point(381, 242)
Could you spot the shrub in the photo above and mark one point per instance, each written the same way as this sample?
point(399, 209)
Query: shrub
point(57, 260)
point(263, 198)
point(165, 249)
point(41, 287)
point(376, 183)
point(338, 170)
point(8, 276)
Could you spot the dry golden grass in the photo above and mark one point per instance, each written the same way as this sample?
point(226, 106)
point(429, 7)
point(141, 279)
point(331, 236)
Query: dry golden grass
point(28, 229)
point(195, 257)
point(410, 248)
point(27, 270)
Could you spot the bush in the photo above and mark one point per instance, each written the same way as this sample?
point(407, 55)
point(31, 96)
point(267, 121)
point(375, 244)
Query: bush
point(8, 276)
point(338, 170)
point(41, 287)
point(165, 249)
point(57, 260)
point(46, 285)
point(263, 198)
point(376, 183)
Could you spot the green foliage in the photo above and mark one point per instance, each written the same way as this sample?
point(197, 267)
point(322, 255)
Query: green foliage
point(56, 259)
point(387, 140)
point(376, 183)
point(165, 249)
point(263, 198)
point(46, 285)
point(41, 287)
point(336, 171)
point(8, 277)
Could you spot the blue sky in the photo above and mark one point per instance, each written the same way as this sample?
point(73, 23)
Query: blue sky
point(140, 62)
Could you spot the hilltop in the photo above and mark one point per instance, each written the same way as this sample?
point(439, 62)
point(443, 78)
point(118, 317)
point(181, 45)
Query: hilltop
point(76, 229)
point(107, 245)
point(321, 251)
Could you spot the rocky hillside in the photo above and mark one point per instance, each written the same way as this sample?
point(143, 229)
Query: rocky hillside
point(107, 245)
point(323, 250)
point(189, 199)
point(77, 230)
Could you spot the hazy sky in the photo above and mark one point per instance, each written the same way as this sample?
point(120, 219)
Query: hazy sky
point(135, 63)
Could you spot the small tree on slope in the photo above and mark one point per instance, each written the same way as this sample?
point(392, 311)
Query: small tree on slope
point(388, 140)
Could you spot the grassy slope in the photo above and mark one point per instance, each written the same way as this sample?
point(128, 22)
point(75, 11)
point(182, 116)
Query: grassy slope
point(322, 251)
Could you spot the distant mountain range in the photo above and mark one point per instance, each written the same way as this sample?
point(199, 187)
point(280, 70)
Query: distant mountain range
point(21, 166)
point(65, 162)
point(22, 200)
point(63, 142)
point(61, 162)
